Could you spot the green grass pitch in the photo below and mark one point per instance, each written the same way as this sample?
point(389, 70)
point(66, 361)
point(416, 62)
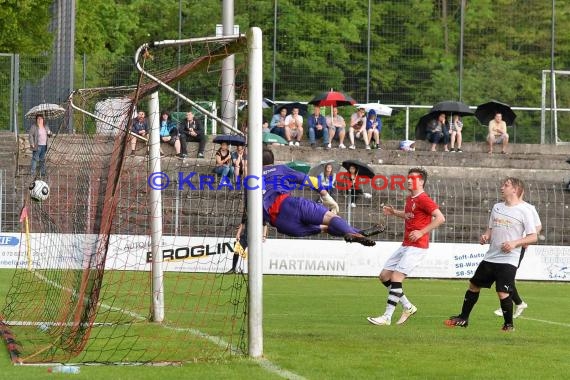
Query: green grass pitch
point(316, 328)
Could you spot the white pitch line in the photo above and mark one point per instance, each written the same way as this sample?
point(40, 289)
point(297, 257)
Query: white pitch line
point(273, 368)
point(547, 322)
point(263, 363)
point(48, 324)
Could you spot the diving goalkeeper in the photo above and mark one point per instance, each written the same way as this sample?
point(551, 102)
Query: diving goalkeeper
point(296, 216)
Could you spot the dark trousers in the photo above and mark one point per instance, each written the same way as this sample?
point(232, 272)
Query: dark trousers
point(39, 155)
point(437, 137)
point(200, 138)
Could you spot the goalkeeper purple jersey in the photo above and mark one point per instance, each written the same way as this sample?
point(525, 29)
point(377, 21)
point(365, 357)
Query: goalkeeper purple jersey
point(279, 180)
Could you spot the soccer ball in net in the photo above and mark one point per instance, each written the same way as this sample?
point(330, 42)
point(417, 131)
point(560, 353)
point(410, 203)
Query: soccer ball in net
point(39, 190)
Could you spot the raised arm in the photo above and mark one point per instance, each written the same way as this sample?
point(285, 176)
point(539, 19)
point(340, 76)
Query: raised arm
point(390, 210)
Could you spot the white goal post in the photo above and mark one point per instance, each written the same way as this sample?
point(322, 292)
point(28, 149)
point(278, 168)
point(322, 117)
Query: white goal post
point(255, 150)
point(546, 74)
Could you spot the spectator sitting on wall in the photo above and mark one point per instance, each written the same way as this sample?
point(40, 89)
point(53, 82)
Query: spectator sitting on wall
point(169, 133)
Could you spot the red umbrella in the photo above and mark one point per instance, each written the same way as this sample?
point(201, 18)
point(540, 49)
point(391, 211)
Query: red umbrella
point(332, 99)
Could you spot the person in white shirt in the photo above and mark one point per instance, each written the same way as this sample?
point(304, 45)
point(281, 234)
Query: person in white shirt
point(511, 227)
point(520, 305)
point(294, 123)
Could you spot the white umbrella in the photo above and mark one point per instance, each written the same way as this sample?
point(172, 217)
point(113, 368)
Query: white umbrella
point(48, 110)
point(380, 109)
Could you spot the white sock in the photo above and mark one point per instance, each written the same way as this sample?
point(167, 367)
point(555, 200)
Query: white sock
point(406, 304)
point(393, 299)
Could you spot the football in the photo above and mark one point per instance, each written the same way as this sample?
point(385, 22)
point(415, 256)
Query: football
point(39, 190)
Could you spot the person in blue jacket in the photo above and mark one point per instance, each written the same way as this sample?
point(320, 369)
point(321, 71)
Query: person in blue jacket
point(374, 129)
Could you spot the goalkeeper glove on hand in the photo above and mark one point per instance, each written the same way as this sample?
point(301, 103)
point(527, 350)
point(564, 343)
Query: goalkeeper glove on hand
point(330, 203)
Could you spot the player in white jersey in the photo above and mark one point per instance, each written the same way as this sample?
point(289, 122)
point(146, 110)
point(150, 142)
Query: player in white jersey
point(511, 226)
point(520, 305)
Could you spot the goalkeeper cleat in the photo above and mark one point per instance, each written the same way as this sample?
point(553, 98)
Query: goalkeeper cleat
point(407, 313)
point(519, 309)
point(498, 312)
point(358, 238)
point(380, 321)
point(507, 327)
point(456, 321)
point(374, 230)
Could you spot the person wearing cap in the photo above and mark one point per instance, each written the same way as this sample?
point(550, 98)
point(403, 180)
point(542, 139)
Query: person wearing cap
point(373, 128)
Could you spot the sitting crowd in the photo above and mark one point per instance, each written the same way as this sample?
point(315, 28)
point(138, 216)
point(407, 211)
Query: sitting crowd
point(178, 135)
point(438, 130)
point(364, 126)
point(327, 129)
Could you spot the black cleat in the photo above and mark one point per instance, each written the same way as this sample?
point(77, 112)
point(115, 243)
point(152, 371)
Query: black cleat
point(358, 238)
point(374, 230)
point(456, 321)
point(507, 327)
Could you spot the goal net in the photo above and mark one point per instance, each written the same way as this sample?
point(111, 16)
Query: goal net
point(87, 290)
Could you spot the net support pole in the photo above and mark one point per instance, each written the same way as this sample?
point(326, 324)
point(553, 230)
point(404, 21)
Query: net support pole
point(155, 205)
point(228, 69)
point(543, 109)
point(254, 196)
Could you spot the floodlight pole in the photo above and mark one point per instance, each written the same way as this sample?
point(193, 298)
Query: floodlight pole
point(254, 196)
point(156, 210)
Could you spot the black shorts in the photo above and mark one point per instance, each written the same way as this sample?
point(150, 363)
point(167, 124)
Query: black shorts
point(503, 275)
point(521, 256)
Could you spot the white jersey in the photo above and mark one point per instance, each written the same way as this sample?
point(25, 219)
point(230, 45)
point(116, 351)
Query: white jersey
point(508, 223)
point(535, 216)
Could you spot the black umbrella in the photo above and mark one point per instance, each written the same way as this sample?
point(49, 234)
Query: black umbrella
point(486, 112)
point(452, 107)
point(235, 140)
point(303, 108)
point(362, 168)
point(423, 123)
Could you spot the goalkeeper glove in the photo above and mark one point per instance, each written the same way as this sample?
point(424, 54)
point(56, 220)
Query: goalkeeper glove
point(330, 203)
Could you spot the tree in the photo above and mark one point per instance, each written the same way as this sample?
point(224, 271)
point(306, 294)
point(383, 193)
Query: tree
point(31, 16)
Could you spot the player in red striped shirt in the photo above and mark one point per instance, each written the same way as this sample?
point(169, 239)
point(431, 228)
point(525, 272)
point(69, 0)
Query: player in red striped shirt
point(421, 215)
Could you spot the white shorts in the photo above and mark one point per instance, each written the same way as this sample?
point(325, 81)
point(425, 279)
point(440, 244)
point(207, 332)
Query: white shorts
point(405, 259)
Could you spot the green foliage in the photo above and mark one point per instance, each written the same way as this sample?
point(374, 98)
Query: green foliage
point(30, 15)
point(322, 44)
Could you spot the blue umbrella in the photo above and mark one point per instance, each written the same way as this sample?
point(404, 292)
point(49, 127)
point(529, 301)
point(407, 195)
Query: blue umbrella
point(235, 140)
